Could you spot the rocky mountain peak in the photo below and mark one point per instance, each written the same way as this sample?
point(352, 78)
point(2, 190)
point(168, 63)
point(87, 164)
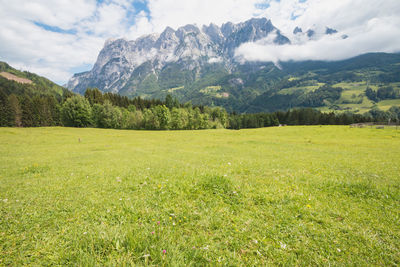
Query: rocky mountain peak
point(214, 33)
point(330, 31)
point(167, 34)
point(227, 29)
point(297, 30)
point(120, 60)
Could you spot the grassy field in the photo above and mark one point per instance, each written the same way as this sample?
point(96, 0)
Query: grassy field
point(387, 104)
point(353, 98)
point(284, 195)
point(291, 90)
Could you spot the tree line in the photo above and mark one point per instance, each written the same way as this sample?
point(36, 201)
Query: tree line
point(386, 92)
point(108, 110)
point(310, 116)
point(77, 111)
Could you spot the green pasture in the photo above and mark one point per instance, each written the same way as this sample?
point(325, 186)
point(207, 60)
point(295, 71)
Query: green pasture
point(387, 104)
point(273, 196)
point(292, 90)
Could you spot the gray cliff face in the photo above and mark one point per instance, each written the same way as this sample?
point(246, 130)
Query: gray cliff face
point(123, 64)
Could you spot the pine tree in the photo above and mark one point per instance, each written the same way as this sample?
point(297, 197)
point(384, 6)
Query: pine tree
point(27, 118)
point(6, 112)
point(16, 110)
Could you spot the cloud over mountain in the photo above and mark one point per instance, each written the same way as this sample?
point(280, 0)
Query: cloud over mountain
point(378, 35)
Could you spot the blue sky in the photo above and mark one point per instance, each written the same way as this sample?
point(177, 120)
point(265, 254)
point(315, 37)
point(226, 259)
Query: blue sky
point(57, 38)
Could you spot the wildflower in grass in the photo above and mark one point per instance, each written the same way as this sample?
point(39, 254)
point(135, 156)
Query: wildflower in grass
point(283, 246)
point(153, 233)
point(170, 218)
point(158, 222)
point(84, 233)
point(308, 206)
point(339, 250)
point(118, 179)
point(180, 221)
point(164, 251)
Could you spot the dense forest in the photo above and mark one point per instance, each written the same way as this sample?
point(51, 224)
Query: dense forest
point(105, 111)
point(383, 93)
point(96, 109)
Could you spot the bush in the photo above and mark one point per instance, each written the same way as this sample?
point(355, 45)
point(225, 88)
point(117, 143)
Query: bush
point(107, 116)
point(76, 112)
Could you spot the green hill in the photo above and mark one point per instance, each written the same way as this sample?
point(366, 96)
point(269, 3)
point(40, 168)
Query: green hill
point(38, 85)
point(265, 87)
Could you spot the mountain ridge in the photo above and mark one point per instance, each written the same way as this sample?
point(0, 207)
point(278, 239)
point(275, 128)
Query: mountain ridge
point(190, 44)
point(199, 64)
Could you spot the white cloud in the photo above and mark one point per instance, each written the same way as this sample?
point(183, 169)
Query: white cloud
point(141, 26)
point(62, 13)
point(108, 20)
point(175, 13)
point(372, 26)
point(378, 35)
point(78, 31)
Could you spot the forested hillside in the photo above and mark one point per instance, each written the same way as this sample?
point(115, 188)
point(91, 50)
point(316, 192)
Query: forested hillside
point(43, 103)
point(328, 86)
point(40, 102)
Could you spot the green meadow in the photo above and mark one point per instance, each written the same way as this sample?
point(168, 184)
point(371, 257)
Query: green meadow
point(305, 195)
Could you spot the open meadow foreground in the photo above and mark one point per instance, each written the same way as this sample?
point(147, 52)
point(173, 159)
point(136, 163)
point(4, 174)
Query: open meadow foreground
point(284, 195)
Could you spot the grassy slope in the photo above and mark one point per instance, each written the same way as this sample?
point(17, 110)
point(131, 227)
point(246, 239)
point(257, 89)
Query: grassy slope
point(294, 195)
point(357, 89)
point(41, 85)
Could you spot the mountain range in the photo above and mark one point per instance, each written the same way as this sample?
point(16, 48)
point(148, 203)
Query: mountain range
point(199, 64)
point(122, 66)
